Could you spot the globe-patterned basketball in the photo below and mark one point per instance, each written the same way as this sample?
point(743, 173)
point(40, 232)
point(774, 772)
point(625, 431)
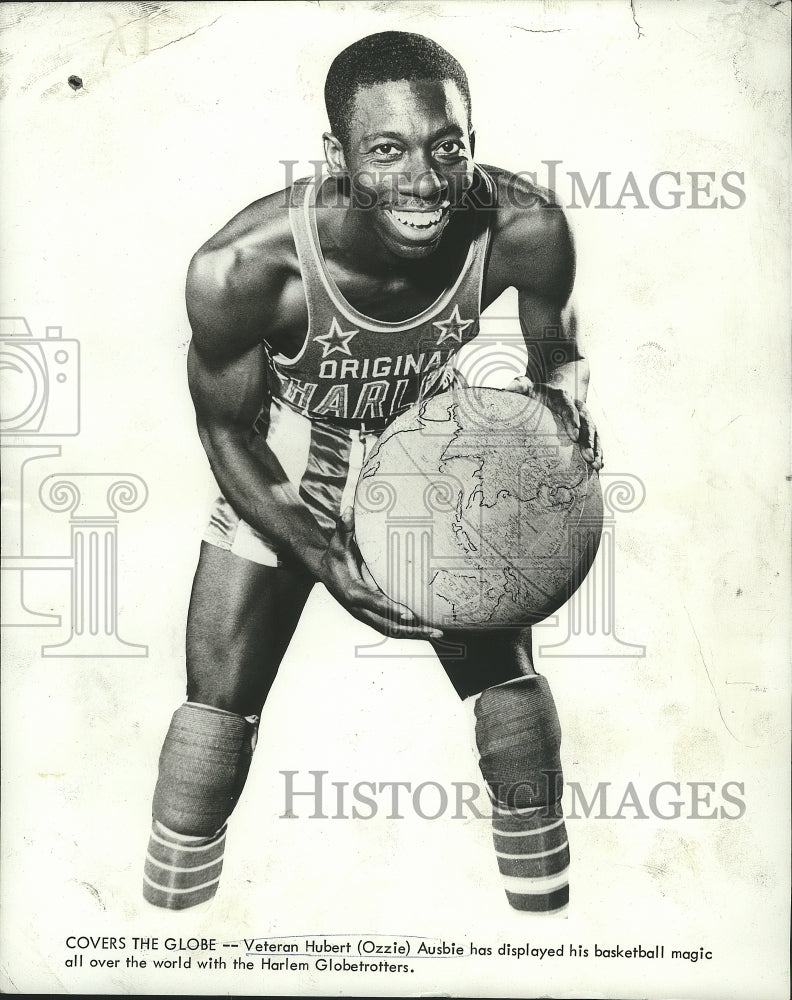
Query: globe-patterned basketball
point(476, 510)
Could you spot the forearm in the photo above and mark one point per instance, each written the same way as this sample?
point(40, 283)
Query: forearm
point(260, 492)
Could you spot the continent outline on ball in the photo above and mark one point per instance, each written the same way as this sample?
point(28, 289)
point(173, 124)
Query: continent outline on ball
point(561, 512)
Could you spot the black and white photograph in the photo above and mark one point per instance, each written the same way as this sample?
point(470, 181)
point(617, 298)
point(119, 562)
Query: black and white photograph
point(395, 442)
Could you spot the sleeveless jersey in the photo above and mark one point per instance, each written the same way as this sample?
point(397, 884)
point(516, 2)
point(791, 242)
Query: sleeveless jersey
point(358, 372)
point(353, 374)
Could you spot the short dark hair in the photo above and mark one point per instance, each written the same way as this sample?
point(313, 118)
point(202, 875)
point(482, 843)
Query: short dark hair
point(381, 58)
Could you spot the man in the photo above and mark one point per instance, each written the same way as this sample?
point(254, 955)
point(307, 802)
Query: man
point(311, 313)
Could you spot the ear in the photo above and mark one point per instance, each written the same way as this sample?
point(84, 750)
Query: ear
point(334, 155)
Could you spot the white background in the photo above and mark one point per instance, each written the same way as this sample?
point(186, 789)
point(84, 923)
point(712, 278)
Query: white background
point(185, 113)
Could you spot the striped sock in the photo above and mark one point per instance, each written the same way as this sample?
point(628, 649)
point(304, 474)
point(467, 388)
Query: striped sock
point(182, 871)
point(518, 737)
point(533, 857)
point(202, 770)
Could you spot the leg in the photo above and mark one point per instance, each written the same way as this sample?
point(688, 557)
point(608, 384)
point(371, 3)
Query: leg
point(477, 660)
point(518, 738)
point(241, 619)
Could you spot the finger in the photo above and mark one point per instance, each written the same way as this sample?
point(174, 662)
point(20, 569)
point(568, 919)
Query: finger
point(344, 530)
point(402, 611)
point(595, 449)
point(372, 599)
point(599, 458)
point(586, 442)
point(589, 436)
point(394, 629)
point(590, 442)
point(571, 420)
point(587, 429)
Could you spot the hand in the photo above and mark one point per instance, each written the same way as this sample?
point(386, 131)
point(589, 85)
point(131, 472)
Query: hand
point(573, 414)
point(348, 579)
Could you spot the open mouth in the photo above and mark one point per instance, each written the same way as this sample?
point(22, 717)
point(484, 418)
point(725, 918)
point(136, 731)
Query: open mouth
point(417, 224)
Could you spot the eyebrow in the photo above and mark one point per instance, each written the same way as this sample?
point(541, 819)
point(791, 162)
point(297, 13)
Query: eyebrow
point(446, 130)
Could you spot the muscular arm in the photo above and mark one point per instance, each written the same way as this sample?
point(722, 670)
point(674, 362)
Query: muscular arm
point(231, 298)
point(534, 253)
point(228, 394)
point(234, 286)
point(547, 315)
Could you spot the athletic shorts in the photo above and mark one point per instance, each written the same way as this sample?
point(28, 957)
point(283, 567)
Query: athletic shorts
point(323, 463)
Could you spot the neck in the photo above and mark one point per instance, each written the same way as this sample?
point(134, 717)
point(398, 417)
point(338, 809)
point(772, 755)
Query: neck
point(349, 232)
point(346, 230)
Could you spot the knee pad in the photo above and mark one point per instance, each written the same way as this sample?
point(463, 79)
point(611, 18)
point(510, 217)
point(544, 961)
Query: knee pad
point(203, 767)
point(518, 738)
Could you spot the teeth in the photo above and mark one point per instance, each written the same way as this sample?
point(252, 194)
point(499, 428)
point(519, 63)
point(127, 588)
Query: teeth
point(417, 220)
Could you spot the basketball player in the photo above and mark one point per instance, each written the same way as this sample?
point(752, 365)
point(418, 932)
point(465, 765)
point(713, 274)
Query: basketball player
point(318, 314)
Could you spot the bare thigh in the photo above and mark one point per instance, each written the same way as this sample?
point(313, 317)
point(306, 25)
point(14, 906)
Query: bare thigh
point(241, 619)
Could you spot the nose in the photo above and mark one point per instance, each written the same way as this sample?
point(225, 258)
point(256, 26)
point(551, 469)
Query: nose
point(427, 185)
point(423, 181)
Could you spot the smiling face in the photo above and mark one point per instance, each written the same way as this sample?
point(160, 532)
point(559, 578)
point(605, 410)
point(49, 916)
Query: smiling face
point(410, 160)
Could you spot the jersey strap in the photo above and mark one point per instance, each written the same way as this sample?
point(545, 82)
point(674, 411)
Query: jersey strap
point(358, 371)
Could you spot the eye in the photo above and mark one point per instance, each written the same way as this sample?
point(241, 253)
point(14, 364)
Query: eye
point(451, 147)
point(385, 149)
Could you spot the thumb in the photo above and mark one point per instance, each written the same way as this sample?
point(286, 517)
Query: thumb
point(368, 579)
point(347, 520)
point(565, 412)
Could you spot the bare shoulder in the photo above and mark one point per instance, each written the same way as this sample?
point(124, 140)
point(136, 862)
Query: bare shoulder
point(235, 281)
point(532, 247)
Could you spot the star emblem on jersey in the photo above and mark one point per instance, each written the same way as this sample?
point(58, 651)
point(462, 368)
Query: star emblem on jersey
point(336, 339)
point(452, 328)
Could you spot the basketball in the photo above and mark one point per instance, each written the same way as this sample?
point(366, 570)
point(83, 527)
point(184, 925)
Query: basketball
point(476, 510)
